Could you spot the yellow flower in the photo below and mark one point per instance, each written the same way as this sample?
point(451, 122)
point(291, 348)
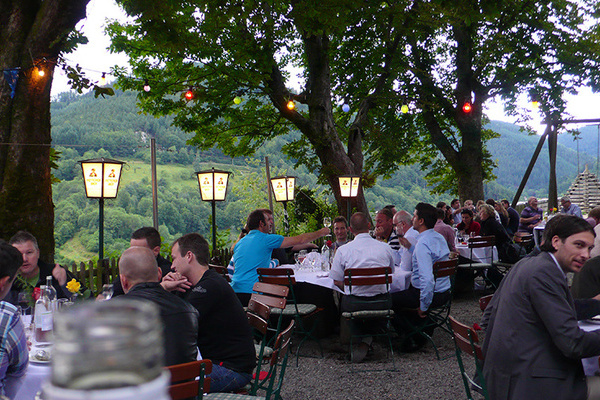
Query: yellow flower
point(554, 209)
point(73, 286)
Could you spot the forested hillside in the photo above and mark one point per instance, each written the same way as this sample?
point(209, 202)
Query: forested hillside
point(87, 127)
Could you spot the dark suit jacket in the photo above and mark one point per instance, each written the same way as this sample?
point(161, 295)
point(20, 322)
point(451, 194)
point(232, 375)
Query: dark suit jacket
point(533, 345)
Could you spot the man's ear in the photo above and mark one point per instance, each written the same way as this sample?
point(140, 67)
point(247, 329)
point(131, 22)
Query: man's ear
point(156, 251)
point(125, 283)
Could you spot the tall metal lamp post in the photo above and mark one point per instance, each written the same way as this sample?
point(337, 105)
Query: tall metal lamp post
point(349, 185)
point(213, 188)
point(101, 177)
point(284, 191)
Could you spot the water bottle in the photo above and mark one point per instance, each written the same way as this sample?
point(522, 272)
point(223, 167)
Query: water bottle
point(325, 260)
point(44, 312)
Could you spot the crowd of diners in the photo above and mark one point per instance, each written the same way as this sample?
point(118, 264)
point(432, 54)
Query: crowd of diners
point(532, 344)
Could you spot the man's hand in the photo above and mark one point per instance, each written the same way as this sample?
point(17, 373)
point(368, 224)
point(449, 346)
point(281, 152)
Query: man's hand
point(422, 314)
point(175, 281)
point(324, 231)
point(60, 274)
point(404, 242)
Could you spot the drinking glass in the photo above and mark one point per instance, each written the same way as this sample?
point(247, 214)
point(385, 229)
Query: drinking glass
point(23, 300)
point(327, 223)
point(107, 291)
point(296, 258)
point(301, 257)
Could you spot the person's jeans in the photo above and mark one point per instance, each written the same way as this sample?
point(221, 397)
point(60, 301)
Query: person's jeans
point(226, 380)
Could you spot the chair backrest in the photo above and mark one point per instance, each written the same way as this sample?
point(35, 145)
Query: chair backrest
point(484, 301)
point(467, 341)
point(269, 294)
point(221, 270)
point(368, 276)
point(524, 239)
point(189, 380)
point(277, 276)
point(258, 316)
point(445, 268)
point(482, 241)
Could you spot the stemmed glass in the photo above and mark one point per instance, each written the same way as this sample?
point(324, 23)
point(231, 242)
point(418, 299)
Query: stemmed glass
point(327, 223)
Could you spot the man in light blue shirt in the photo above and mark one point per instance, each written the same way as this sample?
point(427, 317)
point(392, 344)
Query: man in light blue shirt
point(254, 251)
point(424, 291)
point(569, 208)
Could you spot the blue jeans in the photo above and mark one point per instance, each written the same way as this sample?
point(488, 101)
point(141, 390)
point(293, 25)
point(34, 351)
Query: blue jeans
point(226, 380)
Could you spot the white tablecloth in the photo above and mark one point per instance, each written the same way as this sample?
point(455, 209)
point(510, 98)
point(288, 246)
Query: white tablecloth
point(538, 233)
point(480, 254)
point(400, 278)
point(35, 376)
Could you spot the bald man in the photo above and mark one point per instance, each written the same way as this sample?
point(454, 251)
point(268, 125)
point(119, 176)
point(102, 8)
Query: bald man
point(140, 277)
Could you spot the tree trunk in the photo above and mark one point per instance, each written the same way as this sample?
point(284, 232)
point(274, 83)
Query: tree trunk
point(33, 34)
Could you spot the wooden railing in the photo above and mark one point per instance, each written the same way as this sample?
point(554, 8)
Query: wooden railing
point(95, 274)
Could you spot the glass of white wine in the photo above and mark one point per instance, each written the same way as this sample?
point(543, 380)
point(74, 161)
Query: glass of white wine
point(327, 223)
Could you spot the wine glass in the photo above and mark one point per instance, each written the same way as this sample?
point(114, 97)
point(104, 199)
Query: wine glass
point(23, 300)
point(107, 291)
point(297, 259)
point(327, 223)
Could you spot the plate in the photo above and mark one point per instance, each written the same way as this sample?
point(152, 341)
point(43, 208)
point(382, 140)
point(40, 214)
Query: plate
point(40, 356)
point(34, 360)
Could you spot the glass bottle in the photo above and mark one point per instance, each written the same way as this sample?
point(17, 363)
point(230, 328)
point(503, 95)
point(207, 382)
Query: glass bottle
point(325, 255)
point(44, 312)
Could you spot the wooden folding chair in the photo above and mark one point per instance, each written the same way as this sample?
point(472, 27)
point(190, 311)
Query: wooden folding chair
point(467, 341)
point(525, 243)
point(300, 312)
point(258, 317)
point(189, 380)
point(221, 270)
point(272, 380)
point(484, 301)
point(355, 277)
point(437, 317)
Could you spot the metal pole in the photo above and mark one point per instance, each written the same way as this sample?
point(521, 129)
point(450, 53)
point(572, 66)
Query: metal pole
point(214, 228)
point(286, 223)
point(348, 209)
point(101, 229)
point(552, 188)
point(154, 185)
point(268, 171)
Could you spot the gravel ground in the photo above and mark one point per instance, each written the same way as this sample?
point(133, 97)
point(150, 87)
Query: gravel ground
point(418, 375)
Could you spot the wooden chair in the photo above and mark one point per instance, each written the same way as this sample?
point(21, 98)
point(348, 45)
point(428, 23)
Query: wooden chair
point(467, 341)
point(258, 317)
point(300, 312)
point(525, 243)
point(437, 317)
point(272, 380)
point(480, 268)
point(356, 277)
point(221, 270)
point(189, 380)
point(484, 301)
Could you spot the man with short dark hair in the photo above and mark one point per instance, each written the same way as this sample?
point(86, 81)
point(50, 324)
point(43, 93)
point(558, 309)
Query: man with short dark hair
point(340, 230)
point(513, 218)
point(13, 347)
point(445, 230)
point(456, 211)
point(384, 228)
point(224, 335)
point(34, 271)
point(149, 238)
point(140, 277)
point(533, 345)
point(254, 251)
point(362, 252)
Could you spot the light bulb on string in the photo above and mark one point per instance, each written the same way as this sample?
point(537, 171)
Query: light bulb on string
point(345, 107)
point(103, 79)
point(146, 86)
point(189, 95)
point(290, 105)
point(467, 107)
point(40, 71)
point(404, 109)
point(237, 100)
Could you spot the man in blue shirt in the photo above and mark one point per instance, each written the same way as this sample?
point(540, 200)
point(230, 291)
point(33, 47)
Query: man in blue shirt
point(254, 251)
point(569, 208)
point(424, 290)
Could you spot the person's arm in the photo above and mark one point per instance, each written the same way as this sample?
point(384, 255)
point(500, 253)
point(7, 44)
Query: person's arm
point(304, 237)
point(18, 356)
point(426, 279)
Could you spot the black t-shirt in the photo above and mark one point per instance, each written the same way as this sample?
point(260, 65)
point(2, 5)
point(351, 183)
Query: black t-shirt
point(224, 335)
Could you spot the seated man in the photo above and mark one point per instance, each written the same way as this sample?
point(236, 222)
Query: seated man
point(384, 228)
point(424, 291)
point(456, 211)
point(513, 218)
point(531, 216)
point(363, 252)
point(254, 251)
point(224, 335)
point(404, 228)
point(150, 238)
point(13, 347)
point(34, 271)
point(468, 225)
point(569, 208)
point(340, 230)
point(140, 277)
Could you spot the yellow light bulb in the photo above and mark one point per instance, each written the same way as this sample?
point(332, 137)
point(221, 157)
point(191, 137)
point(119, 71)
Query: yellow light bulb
point(290, 105)
point(40, 71)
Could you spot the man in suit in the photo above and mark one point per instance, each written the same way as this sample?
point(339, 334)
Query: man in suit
point(533, 345)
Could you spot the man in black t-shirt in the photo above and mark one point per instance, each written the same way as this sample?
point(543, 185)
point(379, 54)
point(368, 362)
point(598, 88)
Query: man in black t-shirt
point(224, 335)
